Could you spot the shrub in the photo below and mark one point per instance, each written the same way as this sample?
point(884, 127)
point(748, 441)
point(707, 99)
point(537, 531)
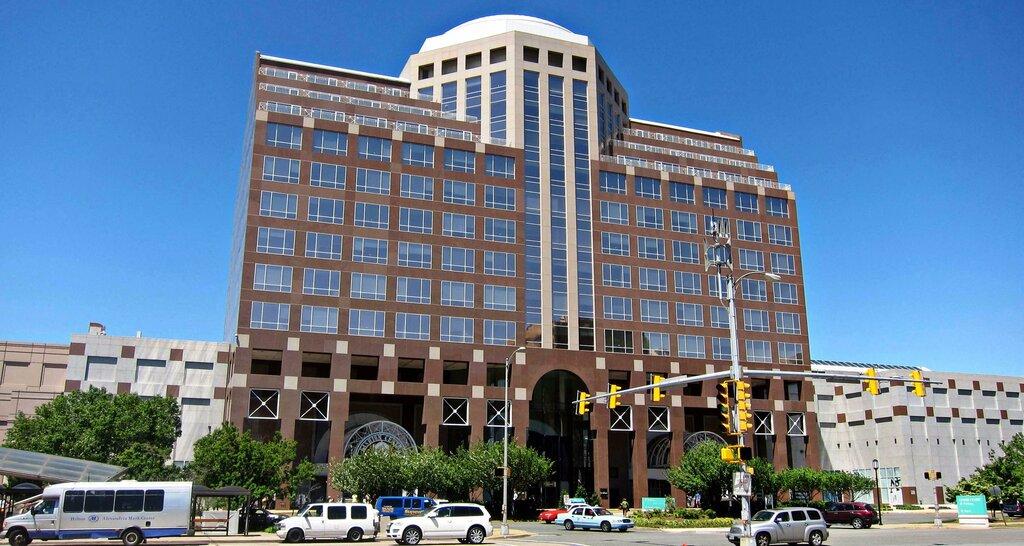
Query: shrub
point(642, 520)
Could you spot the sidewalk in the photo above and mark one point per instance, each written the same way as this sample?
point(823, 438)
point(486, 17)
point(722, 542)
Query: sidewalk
point(252, 538)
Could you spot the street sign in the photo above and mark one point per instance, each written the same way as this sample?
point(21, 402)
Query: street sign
point(972, 510)
point(741, 484)
point(653, 503)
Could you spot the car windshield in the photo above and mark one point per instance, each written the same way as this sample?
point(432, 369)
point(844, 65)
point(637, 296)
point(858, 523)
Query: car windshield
point(602, 512)
point(763, 515)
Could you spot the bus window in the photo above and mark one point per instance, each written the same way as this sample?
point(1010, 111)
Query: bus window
point(46, 506)
point(74, 501)
point(128, 500)
point(99, 501)
point(154, 500)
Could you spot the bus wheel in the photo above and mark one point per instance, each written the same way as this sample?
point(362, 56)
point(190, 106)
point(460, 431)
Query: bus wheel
point(132, 537)
point(19, 537)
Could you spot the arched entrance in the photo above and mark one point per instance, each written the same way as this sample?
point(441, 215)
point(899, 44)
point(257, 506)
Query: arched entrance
point(561, 435)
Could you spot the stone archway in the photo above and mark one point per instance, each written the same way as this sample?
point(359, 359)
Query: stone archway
point(377, 435)
point(561, 435)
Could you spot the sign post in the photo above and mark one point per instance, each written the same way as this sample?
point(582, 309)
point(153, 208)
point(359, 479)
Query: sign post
point(972, 510)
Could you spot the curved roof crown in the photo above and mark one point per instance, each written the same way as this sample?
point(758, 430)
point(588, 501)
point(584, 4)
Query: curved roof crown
point(499, 24)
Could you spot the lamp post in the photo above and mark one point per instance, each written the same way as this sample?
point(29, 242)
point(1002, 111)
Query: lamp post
point(878, 491)
point(504, 456)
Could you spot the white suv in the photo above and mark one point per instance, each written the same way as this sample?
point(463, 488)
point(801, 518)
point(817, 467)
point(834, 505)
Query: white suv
point(470, 523)
point(330, 520)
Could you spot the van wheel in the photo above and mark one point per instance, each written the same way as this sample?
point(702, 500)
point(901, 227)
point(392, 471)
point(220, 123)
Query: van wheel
point(857, 523)
point(19, 537)
point(476, 535)
point(606, 527)
point(294, 535)
point(132, 537)
point(815, 539)
point(412, 535)
point(568, 525)
point(763, 539)
point(355, 534)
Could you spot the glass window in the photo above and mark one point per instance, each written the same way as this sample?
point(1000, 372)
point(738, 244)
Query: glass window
point(154, 500)
point(687, 283)
point(653, 279)
point(417, 187)
point(330, 142)
point(323, 245)
point(718, 286)
point(280, 135)
point(780, 235)
point(654, 311)
point(269, 316)
point(647, 187)
point(650, 217)
point(458, 225)
point(325, 210)
point(618, 341)
point(499, 263)
point(719, 316)
point(415, 220)
point(415, 255)
point(499, 298)
point(784, 292)
point(128, 500)
point(684, 252)
point(337, 512)
point(280, 169)
point(413, 290)
point(614, 213)
point(502, 231)
point(500, 166)
point(656, 343)
point(616, 275)
point(784, 264)
point(368, 286)
point(714, 198)
point(790, 353)
point(690, 346)
point(616, 244)
point(710, 221)
point(755, 320)
point(371, 215)
point(618, 308)
point(99, 501)
point(375, 148)
point(613, 183)
point(449, 96)
point(754, 290)
point(278, 205)
point(720, 348)
point(499, 120)
point(369, 251)
point(457, 294)
point(275, 241)
point(272, 278)
point(746, 202)
point(751, 260)
point(319, 320)
point(499, 332)
point(681, 192)
point(684, 222)
point(412, 326)
point(462, 260)
point(650, 247)
point(787, 323)
point(748, 231)
point(457, 329)
point(690, 314)
point(418, 155)
point(363, 322)
point(459, 193)
point(776, 206)
point(373, 181)
point(459, 161)
point(499, 198)
point(325, 175)
point(321, 282)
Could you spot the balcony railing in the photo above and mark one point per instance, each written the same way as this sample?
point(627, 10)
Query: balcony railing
point(359, 101)
point(687, 141)
point(694, 156)
point(694, 171)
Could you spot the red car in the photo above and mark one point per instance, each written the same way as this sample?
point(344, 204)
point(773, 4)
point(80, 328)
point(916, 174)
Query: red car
point(548, 515)
point(860, 515)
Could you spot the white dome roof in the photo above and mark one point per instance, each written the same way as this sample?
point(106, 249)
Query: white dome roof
point(500, 24)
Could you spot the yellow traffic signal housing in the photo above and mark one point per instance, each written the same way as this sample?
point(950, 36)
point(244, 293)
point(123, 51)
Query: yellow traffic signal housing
point(871, 385)
point(918, 383)
point(743, 415)
point(725, 406)
point(657, 395)
point(736, 454)
point(583, 406)
point(613, 400)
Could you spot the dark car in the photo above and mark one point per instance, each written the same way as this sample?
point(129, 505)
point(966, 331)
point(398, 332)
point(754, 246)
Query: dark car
point(259, 518)
point(1013, 508)
point(860, 515)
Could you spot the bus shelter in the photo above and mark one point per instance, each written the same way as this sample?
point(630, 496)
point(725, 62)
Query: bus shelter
point(228, 493)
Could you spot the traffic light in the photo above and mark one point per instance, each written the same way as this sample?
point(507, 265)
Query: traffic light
point(725, 406)
point(871, 385)
point(613, 400)
point(736, 454)
point(583, 406)
point(657, 395)
point(932, 475)
point(743, 415)
point(918, 383)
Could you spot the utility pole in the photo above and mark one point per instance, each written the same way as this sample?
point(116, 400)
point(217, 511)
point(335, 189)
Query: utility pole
point(504, 452)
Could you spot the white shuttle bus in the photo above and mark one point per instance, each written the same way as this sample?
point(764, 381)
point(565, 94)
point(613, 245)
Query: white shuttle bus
point(128, 510)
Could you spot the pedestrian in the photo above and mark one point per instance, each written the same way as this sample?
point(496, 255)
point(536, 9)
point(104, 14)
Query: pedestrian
point(624, 505)
point(696, 500)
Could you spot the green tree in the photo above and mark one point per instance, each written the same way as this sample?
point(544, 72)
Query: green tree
point(373, 472)
point(228, 456)
point(301, 476)
point(803, 482)
point(702, 470)
point(528, 467)
point(123, 429)
point(766, 480)
point(1005, 470)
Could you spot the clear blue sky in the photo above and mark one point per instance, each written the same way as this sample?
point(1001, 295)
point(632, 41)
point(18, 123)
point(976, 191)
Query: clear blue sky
point(898, 124)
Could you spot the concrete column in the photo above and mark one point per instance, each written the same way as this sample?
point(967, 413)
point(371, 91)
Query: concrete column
point(639, 455)
point(432, 421)
point(599, 423)
point(676, 420)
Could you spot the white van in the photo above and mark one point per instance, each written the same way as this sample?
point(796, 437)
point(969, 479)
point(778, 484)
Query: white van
point(337, 520)
point(129, 510)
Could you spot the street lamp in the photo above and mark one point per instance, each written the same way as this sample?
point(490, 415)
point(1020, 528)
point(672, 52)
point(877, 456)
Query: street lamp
point(878, 491)
point(504, 457)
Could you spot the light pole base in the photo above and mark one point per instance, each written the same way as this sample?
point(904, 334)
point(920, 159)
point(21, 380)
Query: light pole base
point(504, 530)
